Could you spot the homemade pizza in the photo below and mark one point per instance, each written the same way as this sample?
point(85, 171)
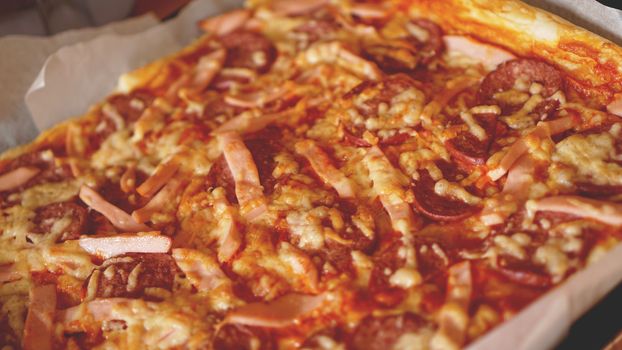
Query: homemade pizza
point(320, 174)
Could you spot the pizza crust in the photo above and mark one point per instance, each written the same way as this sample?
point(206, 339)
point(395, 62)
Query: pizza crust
point(593, 62)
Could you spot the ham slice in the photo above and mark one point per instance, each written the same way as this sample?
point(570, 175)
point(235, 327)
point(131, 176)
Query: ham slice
point(288, 7)
point(17, 177)
point(8, 273)
point(248, 189)
point(108, 247)
point(229, 239)
point(168, 194)
point(542, 131)
point(335, 53)
point(368, 11)
point(248, 122)
point(97, 310)
point(255, 99)
point(39, 321)
point(386, 185)
point(207, 68)
point(606, 212)
point(161, 175)
point(515, 191)
point(201, 269)
point(615, 107)
point(226, 23)
point(278, 313)
point(116, 216)
point(489, 55)
point(452, 329)
point(321, 164)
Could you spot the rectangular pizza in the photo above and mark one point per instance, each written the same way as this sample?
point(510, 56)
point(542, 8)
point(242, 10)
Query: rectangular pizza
point(320, 174)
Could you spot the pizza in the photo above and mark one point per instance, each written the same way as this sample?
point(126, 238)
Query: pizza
point(320, 175)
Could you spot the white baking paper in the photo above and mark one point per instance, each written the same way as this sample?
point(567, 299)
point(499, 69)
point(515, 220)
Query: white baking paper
point(21, 59)
point(78, 75)
point(87, 72)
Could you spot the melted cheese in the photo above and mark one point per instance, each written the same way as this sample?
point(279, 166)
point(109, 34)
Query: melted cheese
point(590, 157)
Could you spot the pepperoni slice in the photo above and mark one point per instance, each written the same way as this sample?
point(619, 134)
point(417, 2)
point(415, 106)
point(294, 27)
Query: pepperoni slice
point(264, 146)
point(249, 50)
point(130, 106)
point(436, 207)
point(380, 287)
point(588, 189)
point(393, 57)
point(220, 176)
point(381, 92)
point(528, 70)
point(382, 333)
point(433, 45)
point(469, 151)
point(48, 215)
point(243, 338)
point(129, 275)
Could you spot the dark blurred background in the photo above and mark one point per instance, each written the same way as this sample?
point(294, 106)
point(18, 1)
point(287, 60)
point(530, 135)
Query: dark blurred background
point(46, 17)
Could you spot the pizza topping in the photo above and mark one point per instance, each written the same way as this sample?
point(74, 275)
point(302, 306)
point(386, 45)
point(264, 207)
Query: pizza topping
point(430, 38)
point(120, 219)
point(518, 72)
point(322, 165)
point(606, 212)
point(282, 312)
point(229, 239)
point(207, 68)
point(38, 329)
point(248, 122)
point(129, 275)
point(390, 332)
point(471, 148)
point(226, 23)
point(8, 273)
point(515, 190)
point(201, 269)
point(489, 55)
point(615, 107)
point(442, 200)
point(161, 175)
point(67, 219)
point(335, 53)
point(454, 314)
point(111, 246)
point(17, 177)
point(286, 7)
point(541, 132)
point(166, 197)
point(247, 49)
point(248, 189)
point(386, 185)
point(256, 99)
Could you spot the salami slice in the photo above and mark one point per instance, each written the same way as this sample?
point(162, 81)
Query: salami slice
point(469, 151)
point(247, 49)
point(130, 106)
point(528, 71)
point(436, 207)
point(130, 274)
point(382, 333)
point(47, 216)
point(431, 45)
point(232, 336)
point(220, 176)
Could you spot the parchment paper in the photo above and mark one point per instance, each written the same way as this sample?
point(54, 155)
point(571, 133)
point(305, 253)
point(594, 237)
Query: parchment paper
point(76, 76)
